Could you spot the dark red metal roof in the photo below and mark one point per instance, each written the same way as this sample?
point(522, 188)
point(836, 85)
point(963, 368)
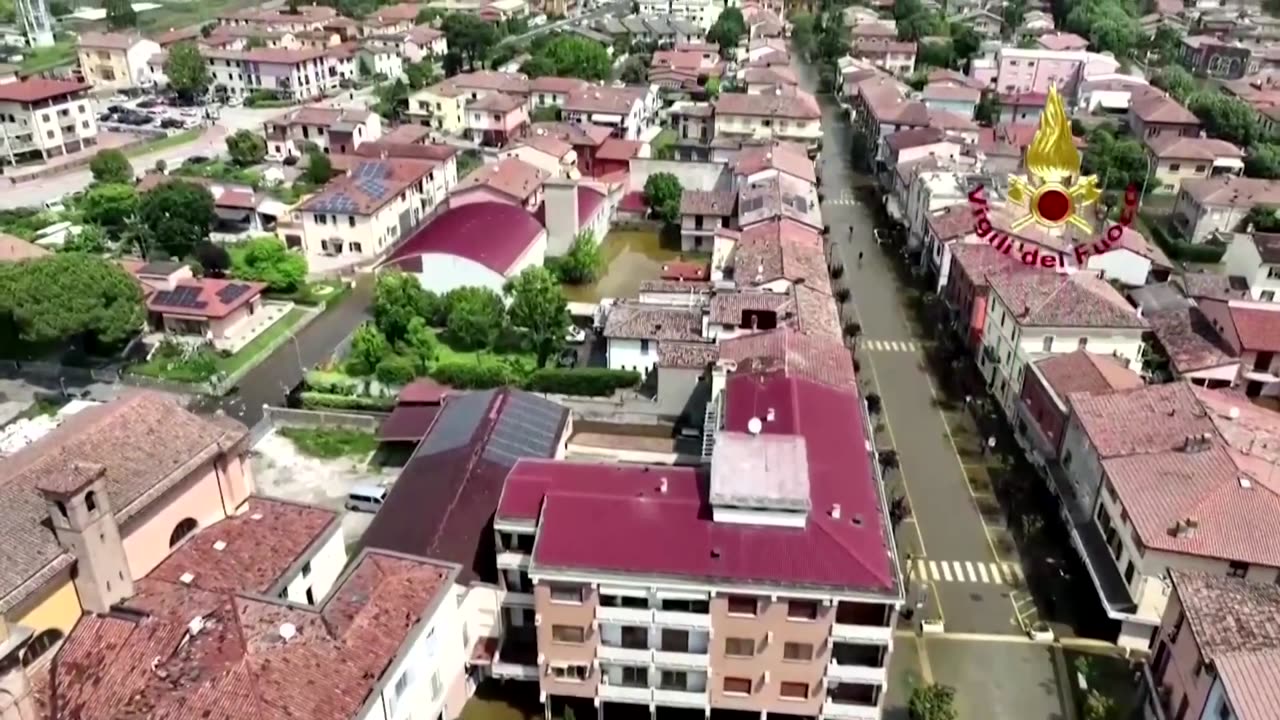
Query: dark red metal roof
point(492, 234)
point(423, 391)
point(408, 423)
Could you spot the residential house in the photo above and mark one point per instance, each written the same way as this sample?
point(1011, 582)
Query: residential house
point(986, 23)
point(757, 162)
point(892, 56)
point(767, 51)
point(627, 111)
point(1195, 350)
point(553, 91)
point(1159, 114)
point(363, 213)
point(1021, 108)
point(1032, 314)
point(1033, 70)
point(496, 118)
point(390, 20)
point(1217, 649)
point(406, 141)
point(904, 147)
point(377, 57)
point(685, 69)
point(764, 80)
point(633, 332)
point(586, 140)
point(510, 180)
point(332, 129)
point(943, 230)
point(226, 314)
point(1218, 204)
point(1252, 331)
point(702, 213)
point(1047, 387)
point(91, 515)
point(880, 107)
point(297, 75)
point(929, 185)
point(439, 107)
point(1208, 56)
point(962, 101)
point(776, 197)
point(786, 117)
point(423, 42)
point(546, 152)
point(42, 118)
point(1113, 94)
point(116, 61)
point(1256, 258)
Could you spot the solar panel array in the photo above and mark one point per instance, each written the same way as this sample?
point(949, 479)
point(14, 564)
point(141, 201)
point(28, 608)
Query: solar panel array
point(230, 293)
point(457, 423)
point(180, 297)
point(528, 428)
point(338, 202)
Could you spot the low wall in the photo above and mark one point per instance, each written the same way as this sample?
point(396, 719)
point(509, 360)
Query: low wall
point(625, 408)
point(292, 417)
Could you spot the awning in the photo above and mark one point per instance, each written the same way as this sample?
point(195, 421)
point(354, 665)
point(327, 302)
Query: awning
point(408, 423)
point(891, 206)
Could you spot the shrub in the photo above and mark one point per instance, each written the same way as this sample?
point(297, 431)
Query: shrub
point(842, 295)
point(396, 369)
point(837, 272)
point(312, 400)
point(333, 383)
point(582, 381)
point(471, 375)
point(1179, 249)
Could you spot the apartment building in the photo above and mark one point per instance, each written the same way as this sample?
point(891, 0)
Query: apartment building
point(897, 58)
point(1033, 314)
point(409, 141)
point(116, 61)
point(1033, 70)
point(1208, 56)
point(363, 213)
point(967, 286)
point(496, 119)
point(1219, 204)
point(297, 75)
point(1256, 258)
point(308, 17)
point(92, 516)
point(439, 107)
point(1177, 158)
point(945, 96)
point(780, 115)
point(880, 108)
point(627, 111)
point(702, 213)
point(44, 118)
point(1217, 652)
point(548, 91)
point(1157, 114)
point(332, 129)
point(510, 180)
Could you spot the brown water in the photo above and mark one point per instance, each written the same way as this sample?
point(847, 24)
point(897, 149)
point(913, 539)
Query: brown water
point(630, 257)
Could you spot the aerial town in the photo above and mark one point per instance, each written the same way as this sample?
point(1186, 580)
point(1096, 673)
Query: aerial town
point(640, 360)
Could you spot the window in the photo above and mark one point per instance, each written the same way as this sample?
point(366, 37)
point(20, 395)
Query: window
point(1177, 628)
point(566, 594)
point(1237, 569)
point(402, 684)
point(49, 134)
point(91, 501)
point(1128, 572)
point(644, 347)
point(568, 634)
point(181, 531)
point(632, 675)
point(794, 690)
point(739, 647)
point(306, 568)
point(797, 651)
point(322, 220)
point(742, 605)
point(1048, 344)
point(1175, 167)
point(673, 680)
point(802, 610)
point(351, 221)
point(1200, 168)
point(737, 686)
point(572, 673)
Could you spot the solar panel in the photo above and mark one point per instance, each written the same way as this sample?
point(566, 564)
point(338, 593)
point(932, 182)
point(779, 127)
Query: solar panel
point(527, 428)
point(456, 423)
point(180, 297)
point(230, 292)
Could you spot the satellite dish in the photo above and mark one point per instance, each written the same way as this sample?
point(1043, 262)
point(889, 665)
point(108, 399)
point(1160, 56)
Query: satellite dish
point(287, 631)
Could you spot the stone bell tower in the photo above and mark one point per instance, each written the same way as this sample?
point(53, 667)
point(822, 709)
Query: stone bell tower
point(80, 511)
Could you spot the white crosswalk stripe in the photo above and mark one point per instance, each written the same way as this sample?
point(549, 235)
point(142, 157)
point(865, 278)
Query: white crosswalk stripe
point(890, 345)
point(845, 198)
point(968, 571)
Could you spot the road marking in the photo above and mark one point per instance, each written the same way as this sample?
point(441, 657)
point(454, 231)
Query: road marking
point(968, 568)
point(968, 571)
point(890, 345)
point(982, 571)
point(1014, 572)
point(946, 572)
point(933, 571)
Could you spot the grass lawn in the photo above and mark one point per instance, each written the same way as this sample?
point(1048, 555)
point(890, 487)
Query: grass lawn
point(200, 370)
point(220, 170)
point(331, 442)
point(63, 52)
point(249, 353)
point(449, 353)
point(165, 143)
point(324, 291)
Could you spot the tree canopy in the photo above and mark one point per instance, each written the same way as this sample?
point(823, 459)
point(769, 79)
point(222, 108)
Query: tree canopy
point(635, 70)
point(246, 148)
point(1225, 117)
point(1118, 161)
point(71, 297)
point(186, 70)
point(319, 168)
point(469, 36)
point(932, 702)
point(476, 316)
point(398, 298)
point(728, 30)
point(570, 55)
point(1263, 161)
point(266, 259)
point(1109, 25)
point(582, 263)
point(662, 191)
point(109, 206)
point(538, 310)
point(111, 166)
point(1176, 81)
point(176, 216)
point(120, 14)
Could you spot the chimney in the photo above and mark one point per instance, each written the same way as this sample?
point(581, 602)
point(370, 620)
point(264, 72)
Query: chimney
point(560, 214)
point(79, 509)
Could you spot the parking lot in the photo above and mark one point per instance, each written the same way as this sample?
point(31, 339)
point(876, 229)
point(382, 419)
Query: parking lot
point(123, 113)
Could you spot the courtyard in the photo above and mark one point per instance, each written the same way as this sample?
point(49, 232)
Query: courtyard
point(627, 258)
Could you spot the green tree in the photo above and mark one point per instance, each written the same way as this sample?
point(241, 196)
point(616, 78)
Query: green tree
point(109, 206)
point(538, 310)
point(266, 259)
point(570, 55)
point(935, 54)
point(932, 702)
point(111, 166)
point(965, 43)
point(1263, 161)
point(397, 369)
point(246, 148)
point(398, 298)
point(429, 16)
point(1261, 218)
point(420, 344)
point(727, 31)
point(1118, 161)
point(581, 265)
point(72, 297)
point(476, 316)
point(176, 216)
point(635, 70)
point(319, 168)
point(120, 14)
point(803, 35)
point(293, 7)
point(469, 36)
point(186, 70)
point(421, 74)
point(1098, 706)
point(713, 87)
point(538, 66)
point(363, 68)
point(1176, 81)
point(662, 192)
point(1225, 117)
point(392, 99)
point(1166, 43)
point(546, 113)
point(988, 109)
point(214, 260)
point(368, 348)
point(90, 240)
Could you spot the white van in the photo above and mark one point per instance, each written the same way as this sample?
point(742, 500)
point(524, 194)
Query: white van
point(366, 498)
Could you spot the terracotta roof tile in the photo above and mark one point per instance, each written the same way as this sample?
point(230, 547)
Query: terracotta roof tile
point(687, 354)
point(637, 321)
point(952, 223)
point(1228, 190)
point(37, 89)
point(512, 177)
point(1189, 339)
point(1179, 147)
point(1063, 300)
point(1085, 372)
point(1228, 614)
point(370, 185)
point(818, 359)
point(1162, 109)
point(1257, 328)
point(1145, 420)
point(801, 105)
point(708, 202)
point(597, 99)
point(777, 156)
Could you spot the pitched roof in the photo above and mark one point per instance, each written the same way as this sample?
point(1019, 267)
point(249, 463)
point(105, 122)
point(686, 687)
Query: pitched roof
point(1268, 247)
point(1189, 339)
point(693, 355)
point(204, 297)
point(1053, 299)
point(1086, 372)
point(492, 234)
point(510, 83)
point(1179, 147)
point(548, 144)
point(1229, 614)
point(643, 321)
point(979, 260)
point(780, 249)
point(551, 84)
point(14, 249)
point(512, 177)
point(945, 91)
point(597, 99)
point(708, 202)
point(1062, 41)
point(782, 157)
point(369, 186)
point(1141, 421)
point(953, 222)
point(443, 501)
point(817, 359)
point(1252, 681)
point(1228, 190)
point(1160, 108)
point(142, 441)
point(799, 105)
point(574, 133)
point(37, 89)
point(618, 149)
point(108, 41)
point(1258, 328)
point(321, 115)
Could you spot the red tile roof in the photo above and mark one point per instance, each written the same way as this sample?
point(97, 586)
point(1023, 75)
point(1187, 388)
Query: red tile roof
point(589, 202)
point(370, 185)
point(1085, 372)
point(37, 89)
point(1063, 300)
point(780, 249)
point(798, 105)
point(1257, 328)
point(952, 223)
point(1162, 109)
point(209, 291)
point(807, 357)
point(1151, 419)
point(1189, 339)
point(685, 270)
point(617, 149)
point(512, 177)
point(782, 157)
point(493, 234)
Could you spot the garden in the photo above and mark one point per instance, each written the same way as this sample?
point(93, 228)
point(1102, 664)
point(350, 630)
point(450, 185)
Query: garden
point(468, 338)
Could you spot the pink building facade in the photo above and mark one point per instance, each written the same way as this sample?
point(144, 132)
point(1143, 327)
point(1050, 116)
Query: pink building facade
point(1034, 71)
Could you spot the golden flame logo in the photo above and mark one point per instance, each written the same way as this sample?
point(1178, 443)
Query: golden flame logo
point(1055, 193)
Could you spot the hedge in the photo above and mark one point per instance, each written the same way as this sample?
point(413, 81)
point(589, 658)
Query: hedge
point(312, 400)
point(472, 375)
point(1179, 249)
point(582, 381)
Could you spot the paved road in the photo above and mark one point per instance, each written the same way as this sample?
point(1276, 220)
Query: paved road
point(618, 8)
point(270, 381)
point(947, 526)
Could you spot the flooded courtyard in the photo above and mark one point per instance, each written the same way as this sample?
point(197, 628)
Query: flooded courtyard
point(628, 257)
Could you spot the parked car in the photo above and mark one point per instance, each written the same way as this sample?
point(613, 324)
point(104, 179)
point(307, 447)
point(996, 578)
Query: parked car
point(567, 358)
point(575, 334)
point(172, 123)
point(147, 103)
point(105, 117)
point(116, 108)
point(290, 160)
point(196, 160)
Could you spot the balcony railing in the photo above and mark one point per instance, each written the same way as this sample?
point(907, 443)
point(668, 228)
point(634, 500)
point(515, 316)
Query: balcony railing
point(633, 656)
point(513, 560)
point(861, 633)
point(624, 615)
point(856, 674)
point(681, 659)
point(850, 711)
point(626, 693)
point(680, 698)
point(675, 618)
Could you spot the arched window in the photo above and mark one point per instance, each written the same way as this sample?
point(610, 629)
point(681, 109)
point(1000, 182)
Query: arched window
point(40, 645)
point(181, 531)
point(91, 501)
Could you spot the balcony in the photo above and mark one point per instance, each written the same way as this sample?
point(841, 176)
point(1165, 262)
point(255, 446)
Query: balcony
point(681, 659)
point(848, 711)
point(862, 634)
point(518, 599)
point(856, 674)
point(513, 561)
point(629, 656)
point(626, 693)
point(680, 698)
point(1107, 580)
point(673, 618)
point(624, 615)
